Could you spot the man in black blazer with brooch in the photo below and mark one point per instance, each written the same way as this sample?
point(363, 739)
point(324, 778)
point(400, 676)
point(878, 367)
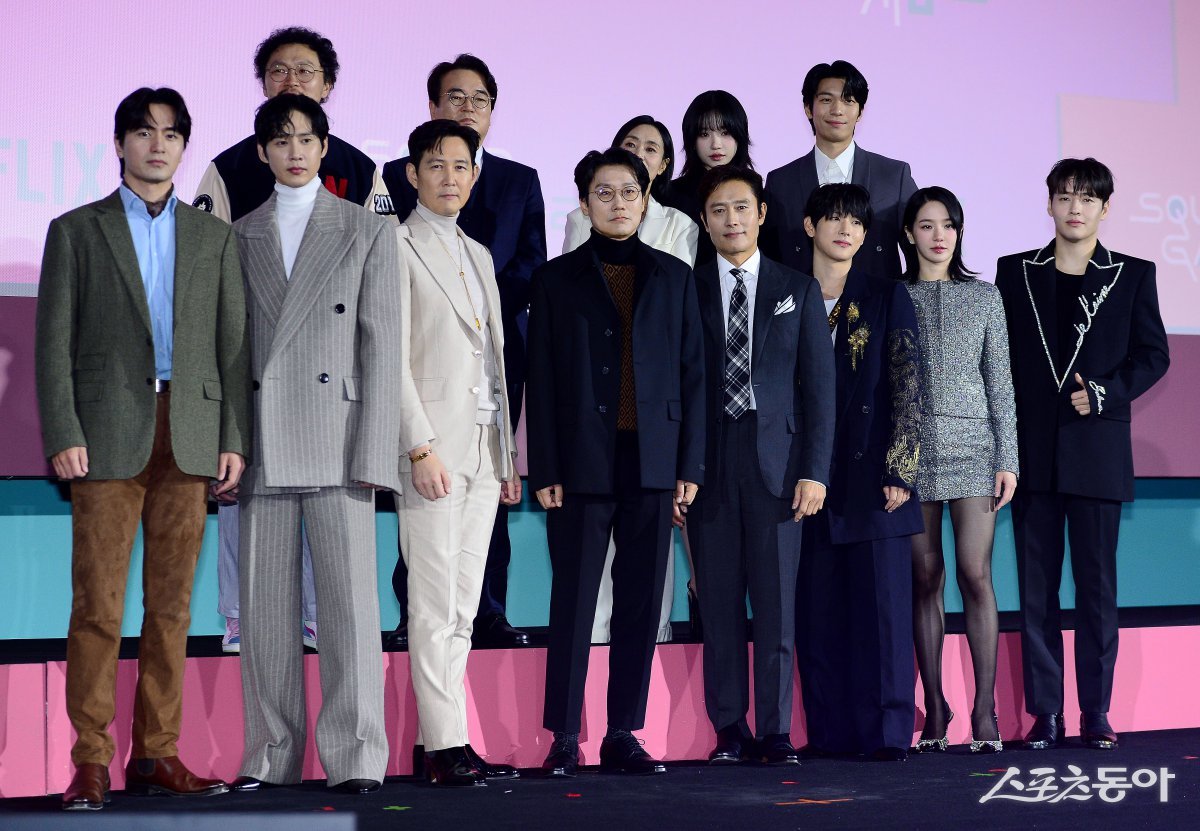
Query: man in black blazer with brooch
point(616, 428)
point(1086, 339)
point(835, 97)
point(854, 607)
point(770, 435)
point(507, 216)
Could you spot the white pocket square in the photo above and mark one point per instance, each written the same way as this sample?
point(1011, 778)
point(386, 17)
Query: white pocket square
point(785, 305)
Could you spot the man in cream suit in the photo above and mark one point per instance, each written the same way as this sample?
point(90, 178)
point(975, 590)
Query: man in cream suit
point(324, 302)
point(456, 431)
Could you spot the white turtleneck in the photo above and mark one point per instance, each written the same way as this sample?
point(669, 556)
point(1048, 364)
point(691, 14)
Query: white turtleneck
point(446, 230)
point(293, 207)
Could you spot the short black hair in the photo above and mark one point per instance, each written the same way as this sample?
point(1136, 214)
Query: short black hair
point(274, 116)
point(1080, 176)
point(855, 86)
point(715, 109)
point(717, 176)
point(585, 171)
point(133, 113)
point(668, 149)
point(958, 272)
point(842, 199)
point(466, 61)
point(323, 46)
point(430, 135)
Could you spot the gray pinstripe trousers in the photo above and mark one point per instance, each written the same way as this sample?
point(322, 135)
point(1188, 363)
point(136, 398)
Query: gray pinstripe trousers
point(350, 735)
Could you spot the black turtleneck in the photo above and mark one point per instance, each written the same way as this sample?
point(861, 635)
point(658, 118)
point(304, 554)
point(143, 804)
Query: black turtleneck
point(614, 251)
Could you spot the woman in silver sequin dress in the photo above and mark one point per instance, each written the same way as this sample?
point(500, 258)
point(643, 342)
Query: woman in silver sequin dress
point(968, 456)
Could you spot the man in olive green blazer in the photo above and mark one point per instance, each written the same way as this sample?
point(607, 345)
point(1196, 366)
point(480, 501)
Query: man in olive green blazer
point(143, 384)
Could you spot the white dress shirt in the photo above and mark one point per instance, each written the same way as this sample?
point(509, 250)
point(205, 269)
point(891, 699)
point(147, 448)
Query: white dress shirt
point(750, 279)
point(844, 163)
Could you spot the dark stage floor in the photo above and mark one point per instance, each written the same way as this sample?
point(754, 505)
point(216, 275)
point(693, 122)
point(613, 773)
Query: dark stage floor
point(929, 791)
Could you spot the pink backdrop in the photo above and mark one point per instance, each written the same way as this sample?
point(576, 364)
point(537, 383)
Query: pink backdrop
point(979, 96)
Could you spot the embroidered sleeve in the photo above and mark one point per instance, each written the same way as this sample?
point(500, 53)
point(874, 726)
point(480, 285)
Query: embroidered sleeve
point(905, 380)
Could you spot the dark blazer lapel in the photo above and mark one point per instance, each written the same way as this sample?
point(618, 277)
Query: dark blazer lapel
point(1043, 303)
point(262, 259)
point(808, 173)
point(856, 293)
point(712, 309)
point(861, 175)
point(1100, 278)
point(115, 228)
point(592, 282)
point(325, 242)
point(767, 296)
point(442, 270)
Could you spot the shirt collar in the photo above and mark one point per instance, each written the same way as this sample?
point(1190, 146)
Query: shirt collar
point(750, 266)
point(845, 161)
point(135, 204)
point(479, 157)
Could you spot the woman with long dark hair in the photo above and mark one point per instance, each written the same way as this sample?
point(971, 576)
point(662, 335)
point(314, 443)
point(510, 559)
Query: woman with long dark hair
point(968, 456)
point(716, 131)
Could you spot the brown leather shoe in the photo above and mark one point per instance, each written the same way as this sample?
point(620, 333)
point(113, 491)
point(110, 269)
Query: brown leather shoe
point(168, 776)
point(88, 790)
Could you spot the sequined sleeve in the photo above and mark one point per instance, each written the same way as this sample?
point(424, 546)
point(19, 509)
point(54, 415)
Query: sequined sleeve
point(904, 376)
point(997, 379)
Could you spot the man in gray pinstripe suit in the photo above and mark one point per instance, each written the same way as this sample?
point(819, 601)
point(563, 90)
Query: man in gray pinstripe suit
point(324, 303)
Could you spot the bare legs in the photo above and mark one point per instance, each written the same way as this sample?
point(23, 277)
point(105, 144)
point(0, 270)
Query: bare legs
point(974, 525)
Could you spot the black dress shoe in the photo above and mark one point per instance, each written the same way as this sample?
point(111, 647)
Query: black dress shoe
point(247, 784)
point(812, 751)
point(890, 754)
point(622, 752)
point(452, 768)
point(1096, 732)
point(398, 637)
point(1047, 731)
point(776, 749)
point(358, 786)
point(732, 746)
point(563, 758)
point(489, 770)
point(496, 632)
point(418, 760)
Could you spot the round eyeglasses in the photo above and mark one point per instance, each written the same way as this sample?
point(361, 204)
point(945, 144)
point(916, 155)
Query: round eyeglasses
point(629, 193)
point(279, 73)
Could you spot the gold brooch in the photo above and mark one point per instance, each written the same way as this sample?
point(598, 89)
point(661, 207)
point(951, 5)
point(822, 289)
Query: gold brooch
point(858, 342)
point(852, 313)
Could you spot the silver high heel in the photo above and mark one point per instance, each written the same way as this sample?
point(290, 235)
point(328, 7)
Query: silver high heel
point(934, 745)
point(989, 745)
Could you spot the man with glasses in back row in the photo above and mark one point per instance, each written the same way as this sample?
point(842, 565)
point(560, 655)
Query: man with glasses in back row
point(506, 214)
point(300, 61)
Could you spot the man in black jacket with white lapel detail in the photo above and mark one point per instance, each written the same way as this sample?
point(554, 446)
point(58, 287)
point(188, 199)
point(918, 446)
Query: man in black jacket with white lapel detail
point(835, 97)
point(507, 215)
point(616, 426)
point(770, 435)
point(1086, 339)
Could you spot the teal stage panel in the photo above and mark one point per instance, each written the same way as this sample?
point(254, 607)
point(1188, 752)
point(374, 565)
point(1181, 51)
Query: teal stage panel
point(1157, 561)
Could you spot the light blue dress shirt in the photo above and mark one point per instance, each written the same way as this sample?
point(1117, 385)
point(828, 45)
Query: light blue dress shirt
point(154, 242)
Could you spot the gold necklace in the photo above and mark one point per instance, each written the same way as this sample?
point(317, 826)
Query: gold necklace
point(462, 276)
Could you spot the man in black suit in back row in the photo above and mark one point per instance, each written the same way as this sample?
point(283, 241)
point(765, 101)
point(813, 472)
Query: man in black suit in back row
point(835, 97)
point(770, 437)
point(507, 216)
point(1086, 339)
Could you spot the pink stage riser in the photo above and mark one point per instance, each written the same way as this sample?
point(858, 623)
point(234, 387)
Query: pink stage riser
point(505, 706)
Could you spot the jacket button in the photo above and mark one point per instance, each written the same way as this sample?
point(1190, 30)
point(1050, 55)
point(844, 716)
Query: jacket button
point(323, 377)
point(340, 308)
point(858, 455)
point(149, 341)
point(150, 382)
point(256, 386)
point(866, 409)
point(602, 408)
point(799, 249)
point(608, 333)
point(603, 370)
point(474, 390)
point(879, 248)
point(477, 353)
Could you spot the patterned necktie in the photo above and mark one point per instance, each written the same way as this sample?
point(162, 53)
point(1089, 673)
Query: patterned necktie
point(737, 350)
